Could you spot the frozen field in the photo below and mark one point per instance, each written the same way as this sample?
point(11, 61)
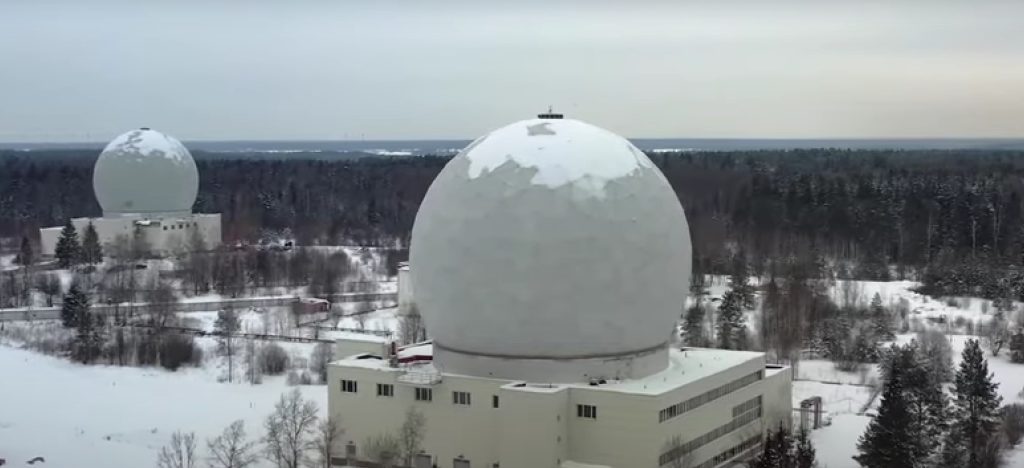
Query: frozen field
point(101, 416)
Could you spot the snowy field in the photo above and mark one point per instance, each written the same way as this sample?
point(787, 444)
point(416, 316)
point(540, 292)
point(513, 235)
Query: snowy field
point(837, 443)
point(107, 416)
point(115, 417)
point(102, 416)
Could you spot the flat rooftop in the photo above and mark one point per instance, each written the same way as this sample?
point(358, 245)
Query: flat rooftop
point(686, 365)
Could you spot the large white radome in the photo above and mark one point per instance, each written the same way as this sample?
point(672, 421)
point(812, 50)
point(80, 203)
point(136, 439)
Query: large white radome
point(145, 172)
point(550, 239)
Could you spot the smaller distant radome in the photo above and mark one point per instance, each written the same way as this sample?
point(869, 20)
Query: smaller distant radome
point(145, 172)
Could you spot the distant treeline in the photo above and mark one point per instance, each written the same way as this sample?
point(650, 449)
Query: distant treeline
point(953, 218)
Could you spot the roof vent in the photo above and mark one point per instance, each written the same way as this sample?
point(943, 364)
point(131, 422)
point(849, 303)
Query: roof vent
point(550, 115)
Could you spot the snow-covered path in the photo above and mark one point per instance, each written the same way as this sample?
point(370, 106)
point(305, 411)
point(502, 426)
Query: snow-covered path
point(114, 417)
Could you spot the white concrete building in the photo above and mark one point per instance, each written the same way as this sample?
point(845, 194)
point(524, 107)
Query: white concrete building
point(550, 260)
point(146, 182)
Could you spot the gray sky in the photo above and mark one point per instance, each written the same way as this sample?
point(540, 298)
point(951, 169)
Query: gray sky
point(344, 69)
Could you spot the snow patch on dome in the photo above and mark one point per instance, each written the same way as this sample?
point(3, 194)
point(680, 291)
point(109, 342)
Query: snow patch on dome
point(148, 143)
point(561, 151)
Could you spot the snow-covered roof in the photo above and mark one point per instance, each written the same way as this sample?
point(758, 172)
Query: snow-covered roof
point(685, 366)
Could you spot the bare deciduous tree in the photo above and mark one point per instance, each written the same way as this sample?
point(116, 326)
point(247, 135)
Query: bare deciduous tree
point(162, 302)
point(680, 459)
point(290, 430)
point(230, 449)
point(49, 285)
point(410, 326)
point(319, 359)
point(383, 448)
point(328, 433)
point(179, 453)
point(411, 434)
point(995, 334)
point(227, 325)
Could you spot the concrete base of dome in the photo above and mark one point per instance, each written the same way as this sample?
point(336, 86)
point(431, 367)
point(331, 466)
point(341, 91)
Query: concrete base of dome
point(629, 365)
point(164, 234)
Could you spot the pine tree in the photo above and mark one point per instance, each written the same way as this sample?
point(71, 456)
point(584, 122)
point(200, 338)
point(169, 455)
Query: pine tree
point(68, 249)
point(805, 453)
point(782, 450)
point(927, 402)
point(889, 440)
point(739, 281)
point(731, 321)
point(88, 339)
point(693, 326)
point(953, 454)
point(976, 404)
point(92, 252)
point(74, 306)
point(880, 319)
point(26, 256)
point(770, 456)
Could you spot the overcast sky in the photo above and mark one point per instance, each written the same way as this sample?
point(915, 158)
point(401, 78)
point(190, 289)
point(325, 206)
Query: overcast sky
point(77, 70)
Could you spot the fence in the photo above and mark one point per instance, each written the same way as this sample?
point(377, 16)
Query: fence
point(51, 313)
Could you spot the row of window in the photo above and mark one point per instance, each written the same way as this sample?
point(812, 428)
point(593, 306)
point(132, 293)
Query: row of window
point(421, 394)
point(731, 452)
point(586, 411)
point(710, 395)
point(746, 406)
point(736, 422)
point(181, 226)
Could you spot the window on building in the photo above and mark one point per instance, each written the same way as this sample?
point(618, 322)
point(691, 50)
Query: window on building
point(424, 394)
point(385, 390)
point(586, 411)
point(494, 401)
point(349, 386)
point(460, 398)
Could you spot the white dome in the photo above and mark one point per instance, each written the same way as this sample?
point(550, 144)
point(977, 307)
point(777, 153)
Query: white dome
point(550, 240)
point(144, 172)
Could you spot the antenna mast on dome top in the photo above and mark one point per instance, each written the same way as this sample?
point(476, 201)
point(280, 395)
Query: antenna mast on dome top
point(550, 114)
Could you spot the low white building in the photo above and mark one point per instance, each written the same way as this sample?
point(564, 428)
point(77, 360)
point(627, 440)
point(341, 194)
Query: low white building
point(146, 182)
point(707, 408)
point(550, 262)
point(164, 236)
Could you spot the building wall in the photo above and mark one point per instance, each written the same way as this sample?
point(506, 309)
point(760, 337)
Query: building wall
point(404, 289)
point(451, 430)
point(537, 427)
point(627, 431)
point(164, 235)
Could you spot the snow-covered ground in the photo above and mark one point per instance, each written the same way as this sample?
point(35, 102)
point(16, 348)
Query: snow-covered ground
point(837, 443)
point(111, 416)
point(102, 416)
point(107, 416)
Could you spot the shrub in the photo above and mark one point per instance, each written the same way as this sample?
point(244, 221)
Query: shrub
point(319, 359)
point(299, 378)
point(1013, 422)
point(177, 350)
point(273, 359)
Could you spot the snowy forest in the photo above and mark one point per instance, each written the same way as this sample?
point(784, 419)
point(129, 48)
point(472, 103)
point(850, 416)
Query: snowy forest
point(951, 219)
